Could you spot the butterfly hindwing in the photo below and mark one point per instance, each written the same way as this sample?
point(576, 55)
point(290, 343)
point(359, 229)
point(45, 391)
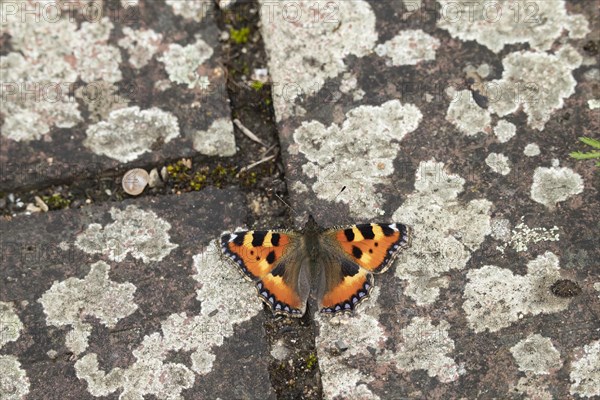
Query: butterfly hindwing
point(343, 285)
point(270, 258)
point(373, 246)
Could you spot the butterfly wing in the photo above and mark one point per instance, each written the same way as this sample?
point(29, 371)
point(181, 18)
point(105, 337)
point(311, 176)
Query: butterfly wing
point(351, 255)
point(274, 261)
point(373, 246)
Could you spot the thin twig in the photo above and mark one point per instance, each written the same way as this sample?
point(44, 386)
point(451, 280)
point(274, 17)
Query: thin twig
point(248, 132)
point(247, 167)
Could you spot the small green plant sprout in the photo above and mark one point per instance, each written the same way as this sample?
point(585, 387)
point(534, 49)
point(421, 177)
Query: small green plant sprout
point(257, 85)
point(578, 155)
point(239, 36)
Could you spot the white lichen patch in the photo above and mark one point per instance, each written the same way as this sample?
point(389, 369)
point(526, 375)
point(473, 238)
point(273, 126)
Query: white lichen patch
point(531, 150)
point(364, 147)
point(495, 297)
point(597, 287)
point(537, 82)
point(182, 63)
point(195, 10)
point(534, 387)
point(447, 231)
point(501, 229)
point(304, 52)
point(520, 237)
point(69, 302)
point(141, 233)
point(594, 104)
point(553, 185)
point(409, 47)
point(227, 299)
point(129, 132)
point(504, 131)
point(14, 384)
point(425, 346)
point(498, 163)
point(140, 44)
point(356, 333)
point(217, 140)
point(585, 372)
point(466, 115)
point(10, 324)
point(536, 354)
point(495, 24)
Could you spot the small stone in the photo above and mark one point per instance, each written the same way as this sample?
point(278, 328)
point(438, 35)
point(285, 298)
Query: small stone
point(40, 203)
point(341, 345)
point(2, 202)
point(32, 208)
point(154, 179)
point(164, 174)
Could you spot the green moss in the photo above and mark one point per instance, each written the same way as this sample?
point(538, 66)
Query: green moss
point(178, 172)
point(257, 85)
point(56, 201)
point(311, 361)
point(239, 36)
point(198, 181)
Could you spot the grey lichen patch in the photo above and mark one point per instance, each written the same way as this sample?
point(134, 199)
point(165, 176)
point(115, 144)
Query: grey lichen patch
point(358, 333)
point(504, 131)
point(195, 10)
point(499, 23)
point(523, 235)
point(536, 354)
point(182, 63)
point(364, 146)
point(67, 303)
point(531, 150)
point(14, 384)
point(140, 44)
point(129, 132)
point(223, 306)
point(553, 185)
point(585, 372)
point(10, 324)
point(409, 47)
point(534, 387)
point(304, 53)
point(449, 231)
point(217, 140)
point(537, 82)
point(141, 233)
point(425, 346)
point(464, 113)
point(495, 297)
point(498, 163)
point(597, 287)
point(96, 60)
point(101, 98)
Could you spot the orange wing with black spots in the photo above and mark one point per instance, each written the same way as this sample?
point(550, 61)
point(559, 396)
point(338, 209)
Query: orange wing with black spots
point(264, 256)
point(366, 249)
point(374, 246)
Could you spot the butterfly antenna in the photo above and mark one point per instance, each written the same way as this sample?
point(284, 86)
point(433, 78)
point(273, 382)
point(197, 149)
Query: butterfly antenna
point(340, 192)
point(284, 202)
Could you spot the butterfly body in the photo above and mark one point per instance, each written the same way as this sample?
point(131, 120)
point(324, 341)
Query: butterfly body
point(339, 262)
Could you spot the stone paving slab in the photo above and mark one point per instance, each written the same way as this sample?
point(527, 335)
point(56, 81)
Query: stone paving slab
point(90, 86)
point(129, 301)
point(460, 124)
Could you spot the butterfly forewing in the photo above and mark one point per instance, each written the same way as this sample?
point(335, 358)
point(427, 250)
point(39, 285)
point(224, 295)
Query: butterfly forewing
point(269, 258)
point(373, 246)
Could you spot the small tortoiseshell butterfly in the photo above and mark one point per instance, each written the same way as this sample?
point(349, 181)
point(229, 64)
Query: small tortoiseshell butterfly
point(341, 259)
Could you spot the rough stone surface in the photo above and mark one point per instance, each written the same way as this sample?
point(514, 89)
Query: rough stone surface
point(80, 93)
point(161, 314)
